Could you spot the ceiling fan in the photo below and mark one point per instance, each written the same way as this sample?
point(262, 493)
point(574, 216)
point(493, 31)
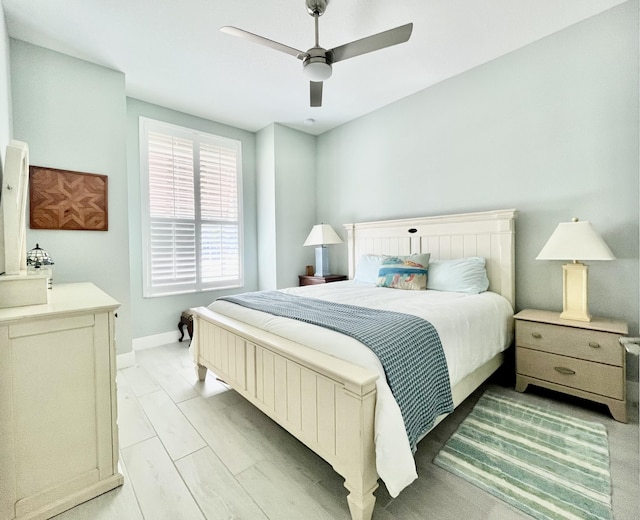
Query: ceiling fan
point(317, 62)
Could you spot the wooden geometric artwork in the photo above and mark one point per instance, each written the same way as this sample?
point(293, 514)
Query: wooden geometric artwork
point(61, 199)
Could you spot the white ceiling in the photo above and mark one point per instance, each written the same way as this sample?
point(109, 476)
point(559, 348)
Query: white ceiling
point(174, 55)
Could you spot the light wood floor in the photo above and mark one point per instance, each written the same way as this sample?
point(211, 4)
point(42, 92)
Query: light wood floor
point(192, 450)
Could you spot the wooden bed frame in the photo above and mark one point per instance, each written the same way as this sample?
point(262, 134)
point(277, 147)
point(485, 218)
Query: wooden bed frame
point(325, 402)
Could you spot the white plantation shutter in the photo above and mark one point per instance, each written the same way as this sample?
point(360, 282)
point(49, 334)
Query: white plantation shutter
point(192, 218)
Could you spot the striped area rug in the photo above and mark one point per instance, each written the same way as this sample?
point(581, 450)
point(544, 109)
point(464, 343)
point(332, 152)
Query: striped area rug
point(550, 466)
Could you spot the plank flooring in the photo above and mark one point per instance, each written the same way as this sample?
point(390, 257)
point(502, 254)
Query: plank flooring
point(193, 450)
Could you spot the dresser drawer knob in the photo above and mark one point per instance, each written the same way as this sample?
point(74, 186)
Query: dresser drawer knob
point(565, 370)
point(594, 344)
point(536, 335)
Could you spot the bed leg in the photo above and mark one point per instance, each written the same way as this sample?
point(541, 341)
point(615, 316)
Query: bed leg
point(361, 504)
point(201, 372)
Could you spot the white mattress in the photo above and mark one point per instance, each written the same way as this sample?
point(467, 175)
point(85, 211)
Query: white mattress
point(472, 329)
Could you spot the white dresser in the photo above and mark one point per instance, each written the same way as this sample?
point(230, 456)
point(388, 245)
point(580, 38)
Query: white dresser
point(58, 431)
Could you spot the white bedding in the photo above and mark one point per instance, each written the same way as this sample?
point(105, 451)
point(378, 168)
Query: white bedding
point(472, 329)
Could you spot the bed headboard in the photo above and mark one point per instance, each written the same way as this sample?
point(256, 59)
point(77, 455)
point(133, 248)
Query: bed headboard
point(489, 234)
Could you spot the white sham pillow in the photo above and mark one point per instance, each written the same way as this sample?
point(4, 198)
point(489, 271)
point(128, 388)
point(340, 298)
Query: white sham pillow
point(367, 269)
point(465, 275)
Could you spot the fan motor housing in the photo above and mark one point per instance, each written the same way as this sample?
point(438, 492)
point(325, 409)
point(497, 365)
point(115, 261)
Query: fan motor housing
point(316, 7)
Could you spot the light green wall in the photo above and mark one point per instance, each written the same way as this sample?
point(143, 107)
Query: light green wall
point(266, 204)
point(5, 90)
point(286, 204)
point(551, 129)
point(157, 315)
point(73, 116)
point(295, 202)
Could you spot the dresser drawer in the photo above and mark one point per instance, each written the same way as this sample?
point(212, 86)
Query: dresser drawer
point(605, 380)
point(592, 345)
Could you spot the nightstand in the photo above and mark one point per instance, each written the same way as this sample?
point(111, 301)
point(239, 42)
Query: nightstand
point(584, 359)
point(314, 280)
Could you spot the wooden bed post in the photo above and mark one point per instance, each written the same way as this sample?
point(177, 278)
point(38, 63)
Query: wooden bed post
point(361, 505)
point(194, 347)
point(351, 259)
point(201, 372)
point(355, 448)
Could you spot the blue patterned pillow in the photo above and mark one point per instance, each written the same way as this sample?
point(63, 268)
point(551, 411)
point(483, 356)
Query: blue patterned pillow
point(404, 272)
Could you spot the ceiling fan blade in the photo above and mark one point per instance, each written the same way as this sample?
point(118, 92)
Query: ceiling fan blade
point(372, 43)
point(234, 31)
point(315, 93)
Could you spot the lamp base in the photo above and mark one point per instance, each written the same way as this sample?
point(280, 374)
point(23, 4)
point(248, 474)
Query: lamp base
point(322, 261)
point(574, 292)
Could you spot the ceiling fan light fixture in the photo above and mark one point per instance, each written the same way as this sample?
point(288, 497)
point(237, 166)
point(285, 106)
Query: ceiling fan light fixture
point(317, 69)
point(317, 62)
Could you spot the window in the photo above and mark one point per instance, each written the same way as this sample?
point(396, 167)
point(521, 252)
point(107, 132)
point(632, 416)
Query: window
point(191, 209)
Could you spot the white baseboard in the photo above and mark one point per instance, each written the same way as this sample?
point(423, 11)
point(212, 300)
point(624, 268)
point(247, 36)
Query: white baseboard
point(156, 340)
point(126, 360)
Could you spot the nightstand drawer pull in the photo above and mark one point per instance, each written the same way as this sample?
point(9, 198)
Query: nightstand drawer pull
point(536, 335)
point(594, 344)
point(565, 370)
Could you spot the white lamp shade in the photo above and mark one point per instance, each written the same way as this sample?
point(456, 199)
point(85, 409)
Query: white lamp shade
point(322, 234)
point(575, 241)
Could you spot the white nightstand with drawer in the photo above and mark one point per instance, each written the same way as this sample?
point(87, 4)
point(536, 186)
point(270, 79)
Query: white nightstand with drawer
point(584, 359)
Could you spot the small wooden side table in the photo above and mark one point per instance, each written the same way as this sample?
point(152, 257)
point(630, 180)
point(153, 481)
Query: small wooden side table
point(314, 280)
point(584, 359)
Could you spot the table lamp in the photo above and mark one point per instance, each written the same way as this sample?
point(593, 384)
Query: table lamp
point(39, 262)
point(322, 235)
point(575, 241)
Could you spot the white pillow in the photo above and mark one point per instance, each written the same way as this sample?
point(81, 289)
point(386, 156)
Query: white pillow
point(367, 269)
point(465, 275)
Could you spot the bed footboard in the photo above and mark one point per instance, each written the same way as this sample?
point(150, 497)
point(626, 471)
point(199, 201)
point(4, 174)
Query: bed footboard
point(325, 402)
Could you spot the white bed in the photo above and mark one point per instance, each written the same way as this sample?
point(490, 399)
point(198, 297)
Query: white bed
point(342, 408)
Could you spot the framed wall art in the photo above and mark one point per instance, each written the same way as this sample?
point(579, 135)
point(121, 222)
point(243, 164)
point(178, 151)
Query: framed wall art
point(61, 199)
